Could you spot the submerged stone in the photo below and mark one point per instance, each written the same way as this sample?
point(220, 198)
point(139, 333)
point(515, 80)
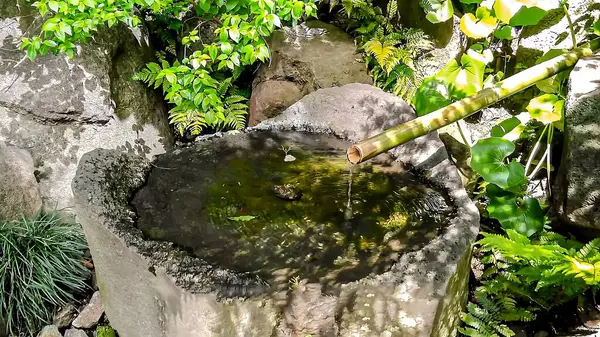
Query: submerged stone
point(236, 202)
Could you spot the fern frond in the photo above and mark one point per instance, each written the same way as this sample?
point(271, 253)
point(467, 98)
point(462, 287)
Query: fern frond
point(470, 332)
point(381, 51)
point(417, 40)
point(224, 86)
point(589, 250)
point(392, 9)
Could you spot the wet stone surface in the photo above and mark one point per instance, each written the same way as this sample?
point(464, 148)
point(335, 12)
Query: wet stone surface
point(238, 203)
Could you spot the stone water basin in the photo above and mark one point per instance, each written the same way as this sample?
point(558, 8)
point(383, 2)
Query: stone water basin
point(270, 233)
point(286, 206)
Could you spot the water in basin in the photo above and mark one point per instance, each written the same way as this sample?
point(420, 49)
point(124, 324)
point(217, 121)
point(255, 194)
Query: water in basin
point(287, 204)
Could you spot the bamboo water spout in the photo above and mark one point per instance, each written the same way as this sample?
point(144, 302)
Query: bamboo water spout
point(423, 125)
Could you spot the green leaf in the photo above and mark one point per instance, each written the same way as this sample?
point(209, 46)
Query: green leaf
point(523, 12)
point(234, 34)
point(488, 159)
point(171, 77)
point(476, 27)
point(226, 48)
point(465, 79)
point(53, 5)
point(274, 19)
point(440, 11)
point(31, 53)
point(525, 216)
point(547, 108)
point(509, 129)
point(65, 28)
point(298, 9)
point(432, 95)
point(504, 33)
point(596, 27)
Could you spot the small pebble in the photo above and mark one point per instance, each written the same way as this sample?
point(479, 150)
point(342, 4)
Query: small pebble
point(75, 333)
point(49, 331)
point(91, 314)
point(63, 317)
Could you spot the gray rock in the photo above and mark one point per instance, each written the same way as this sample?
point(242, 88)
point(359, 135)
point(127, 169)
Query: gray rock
point(49, 331)
point(307, 61)
point(19, 190)
point(577, 187)
point(60, 108)
point(75, 333)
point(152, 288)
point(63, 317)
point(270, 98)
point(91, 314)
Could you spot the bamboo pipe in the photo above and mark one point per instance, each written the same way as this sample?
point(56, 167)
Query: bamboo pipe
point(447, 115)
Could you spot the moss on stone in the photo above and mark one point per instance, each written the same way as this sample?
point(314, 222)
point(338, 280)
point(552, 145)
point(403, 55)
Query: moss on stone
point(105, 331)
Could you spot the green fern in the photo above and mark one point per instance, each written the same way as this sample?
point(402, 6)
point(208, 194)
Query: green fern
point(484, 319)
point(526, 275)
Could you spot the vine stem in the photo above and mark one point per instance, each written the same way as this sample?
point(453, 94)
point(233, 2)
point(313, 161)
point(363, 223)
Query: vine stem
point(573, 38)
point(462, 134)
point(535, 150)
point(549, 159)
point(540, 164)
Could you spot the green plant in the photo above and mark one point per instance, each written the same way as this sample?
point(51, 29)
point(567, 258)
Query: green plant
point(105, 331)
point(487, 317)
point(40, 268)
point(391, 51)
point(524, 276)
point(199, 85)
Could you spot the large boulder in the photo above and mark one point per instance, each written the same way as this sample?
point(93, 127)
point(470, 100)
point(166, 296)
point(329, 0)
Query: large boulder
point(577, 188)
point(61, 108)
point(19, 192)
point(155, 288)
point(303, 59)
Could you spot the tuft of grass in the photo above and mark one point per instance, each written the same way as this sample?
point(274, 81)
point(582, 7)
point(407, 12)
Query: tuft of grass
point(40, 268)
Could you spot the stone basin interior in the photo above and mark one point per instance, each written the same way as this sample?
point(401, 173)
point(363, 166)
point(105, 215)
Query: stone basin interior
point(288, 205)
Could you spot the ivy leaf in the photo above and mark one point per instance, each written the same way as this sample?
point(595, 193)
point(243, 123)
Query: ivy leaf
point(440, 11)
point(504, 33)
point(484, 56)
point(465, 79)
point(509, 129)
point(547, 108)
point(524, 216)
point(488, 159)
point(480, 26)
point(523, 12)
point(432, 94)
